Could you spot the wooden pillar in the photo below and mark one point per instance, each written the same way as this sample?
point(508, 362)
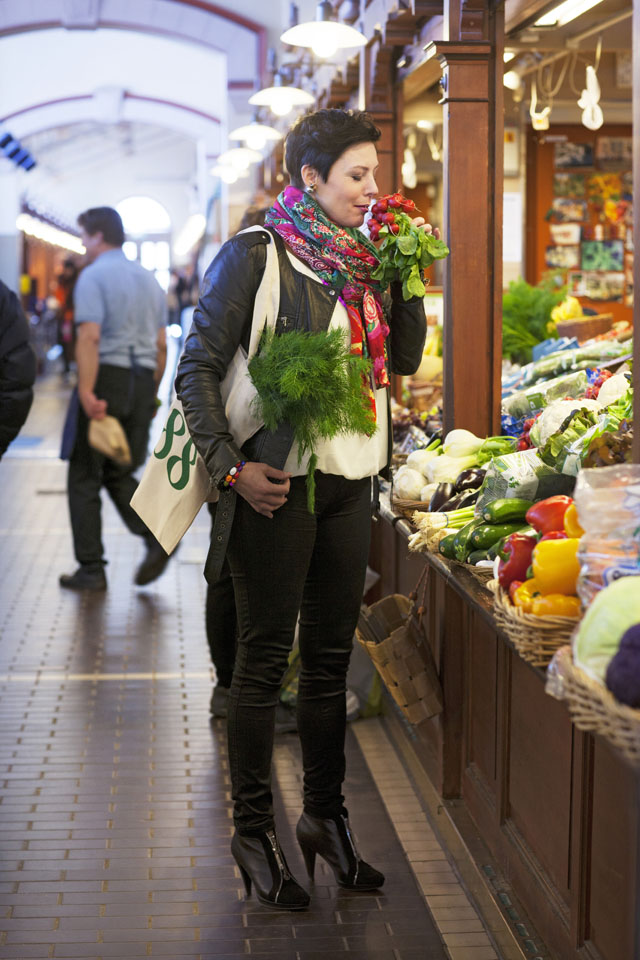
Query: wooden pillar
point(473, 133)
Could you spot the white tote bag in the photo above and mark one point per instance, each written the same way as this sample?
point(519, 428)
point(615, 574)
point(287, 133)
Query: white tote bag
point(175, 482)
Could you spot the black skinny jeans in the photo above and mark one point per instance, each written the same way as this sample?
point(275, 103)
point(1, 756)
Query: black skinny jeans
point(130, 397)
point(315, 564)
point(220, 619)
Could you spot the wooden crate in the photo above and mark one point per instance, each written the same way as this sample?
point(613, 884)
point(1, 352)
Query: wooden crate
point(585, 327)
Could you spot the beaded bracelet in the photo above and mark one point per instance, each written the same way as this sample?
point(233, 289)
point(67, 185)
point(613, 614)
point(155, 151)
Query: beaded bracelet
point(233, 474)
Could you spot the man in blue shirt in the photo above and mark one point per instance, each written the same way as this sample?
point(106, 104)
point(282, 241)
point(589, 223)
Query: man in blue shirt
point(120, 317)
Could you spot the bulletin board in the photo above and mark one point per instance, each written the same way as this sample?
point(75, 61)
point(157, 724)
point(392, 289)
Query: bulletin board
point(580, 213)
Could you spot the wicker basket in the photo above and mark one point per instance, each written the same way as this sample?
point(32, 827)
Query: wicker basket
point(585, 327)
point(595, 710)
point(408, 507)
point(535, 638)
point(391, 633)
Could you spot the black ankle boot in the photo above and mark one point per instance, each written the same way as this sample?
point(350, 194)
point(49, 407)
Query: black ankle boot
point(333, 840)
point(262, 863)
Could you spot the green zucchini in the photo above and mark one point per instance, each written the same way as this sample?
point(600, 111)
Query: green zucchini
point(484, 536)
point(506, 509)
point(445, 547)
point(461, 545)
point(477, 555)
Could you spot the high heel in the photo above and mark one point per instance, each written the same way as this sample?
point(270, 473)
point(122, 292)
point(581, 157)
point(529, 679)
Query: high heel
point(262, 863)
point(333, 840)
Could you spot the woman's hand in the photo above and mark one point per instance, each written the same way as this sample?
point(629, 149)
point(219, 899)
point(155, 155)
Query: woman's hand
point(263, 487)
point(420, 222)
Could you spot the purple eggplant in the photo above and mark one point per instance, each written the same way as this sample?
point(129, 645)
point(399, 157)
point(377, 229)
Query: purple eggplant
point(469, 479)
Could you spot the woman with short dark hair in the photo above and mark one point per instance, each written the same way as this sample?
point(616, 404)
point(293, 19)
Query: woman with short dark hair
point(283, 558)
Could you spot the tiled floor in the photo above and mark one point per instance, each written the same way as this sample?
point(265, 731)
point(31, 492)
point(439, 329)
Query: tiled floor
point(114, 793)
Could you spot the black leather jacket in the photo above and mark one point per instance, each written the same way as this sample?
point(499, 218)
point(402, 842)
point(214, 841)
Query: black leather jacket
point(222, 321)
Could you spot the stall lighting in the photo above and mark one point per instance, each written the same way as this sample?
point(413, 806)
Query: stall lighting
point(324, 35)
point(255, 135)
point(240, 158)
point(426, 125)
point(44, 231)
point(508, 56)
point(190, 234)
point(226, 174)
point(565, 12)
point(512, 80)
point(281, 99)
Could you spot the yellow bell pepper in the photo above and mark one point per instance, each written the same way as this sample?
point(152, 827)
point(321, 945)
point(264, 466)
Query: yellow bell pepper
point(555, 605)
point(555, 566)
point(570, 522)
point(523, 597)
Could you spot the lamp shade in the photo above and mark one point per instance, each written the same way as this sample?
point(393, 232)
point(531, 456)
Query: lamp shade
point(281, 99)
point(255, 135)
point(323, 34)
point(240, 158)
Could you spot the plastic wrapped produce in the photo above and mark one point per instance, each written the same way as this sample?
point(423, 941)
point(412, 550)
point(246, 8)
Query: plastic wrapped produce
point(522, 475)
point(540, 395)
point(608, 503)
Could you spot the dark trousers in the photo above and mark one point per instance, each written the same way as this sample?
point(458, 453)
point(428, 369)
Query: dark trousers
point(130, 397)
point(315, 564)
point(221, 621)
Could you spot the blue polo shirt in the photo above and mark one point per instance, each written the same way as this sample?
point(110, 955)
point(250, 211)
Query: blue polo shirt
point(129, 305)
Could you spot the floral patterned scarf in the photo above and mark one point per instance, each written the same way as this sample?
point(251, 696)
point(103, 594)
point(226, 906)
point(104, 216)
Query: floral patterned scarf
point(338, 255)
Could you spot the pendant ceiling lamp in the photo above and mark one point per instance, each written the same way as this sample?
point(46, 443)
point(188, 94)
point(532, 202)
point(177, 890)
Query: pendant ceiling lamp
point(281, 99)
point(255, 135)
point(240, 158)
point(324, 35)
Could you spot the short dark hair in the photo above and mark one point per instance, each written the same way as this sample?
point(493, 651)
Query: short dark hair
point(320, 138)
point(104, 220)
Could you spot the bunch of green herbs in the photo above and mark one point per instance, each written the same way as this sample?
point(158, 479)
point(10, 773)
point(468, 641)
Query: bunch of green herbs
point(526, 315)
point(312, 382)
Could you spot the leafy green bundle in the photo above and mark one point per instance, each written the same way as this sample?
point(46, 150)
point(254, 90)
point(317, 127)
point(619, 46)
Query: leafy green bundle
point(526, 316)
point(405, 254)
point(312, 382)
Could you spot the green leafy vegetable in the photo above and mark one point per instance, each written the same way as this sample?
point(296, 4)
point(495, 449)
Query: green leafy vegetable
point(312, 382)
point(526, 316)
point(405, 254)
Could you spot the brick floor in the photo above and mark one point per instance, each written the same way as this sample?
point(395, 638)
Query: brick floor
point(115, 804)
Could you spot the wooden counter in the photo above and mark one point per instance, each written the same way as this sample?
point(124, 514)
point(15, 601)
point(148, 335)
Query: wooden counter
point(557, 808)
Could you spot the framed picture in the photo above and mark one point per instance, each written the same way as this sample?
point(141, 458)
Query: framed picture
point(569, 185)
point(565, 233)
point(567, 154)
point(576, 281)
point(562, 258)
point(605, 286)
point(614, 153)
point(567, 210)
point(602, 255)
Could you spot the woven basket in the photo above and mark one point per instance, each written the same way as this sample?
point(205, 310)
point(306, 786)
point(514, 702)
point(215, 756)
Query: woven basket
point(585, 327)
point(403, 657)
point(594, 709)
point(535, 638)
point(408, 507)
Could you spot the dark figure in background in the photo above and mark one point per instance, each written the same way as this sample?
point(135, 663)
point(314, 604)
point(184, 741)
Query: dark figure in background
point(120, 316)
point(66, 281)
point(283, 559)
point(17, 367)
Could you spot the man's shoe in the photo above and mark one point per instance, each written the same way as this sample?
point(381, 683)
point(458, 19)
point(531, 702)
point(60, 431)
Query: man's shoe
point(153, 564)
point(219, 700)
point(87, 577)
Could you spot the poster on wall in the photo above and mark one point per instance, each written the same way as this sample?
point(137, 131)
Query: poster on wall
point(577, 283)
point(614, 153)
point(569, 185)
point(565, 233)
point(602, 255)
point(573, 154)
point(562, 258)
point(605, 286)
point(565, 209)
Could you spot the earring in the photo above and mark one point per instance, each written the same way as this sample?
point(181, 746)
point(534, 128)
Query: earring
point(311, 187)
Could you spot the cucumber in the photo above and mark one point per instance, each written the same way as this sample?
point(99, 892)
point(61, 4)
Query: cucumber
point(476, 555)
point(461, 545)
point(445, 547)
point(484, 536)
point(506, 509)
point(495, 548)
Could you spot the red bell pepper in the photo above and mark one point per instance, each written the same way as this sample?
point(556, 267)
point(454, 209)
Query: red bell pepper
point(516, 550)
point(548, 515)
point(553, 535)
